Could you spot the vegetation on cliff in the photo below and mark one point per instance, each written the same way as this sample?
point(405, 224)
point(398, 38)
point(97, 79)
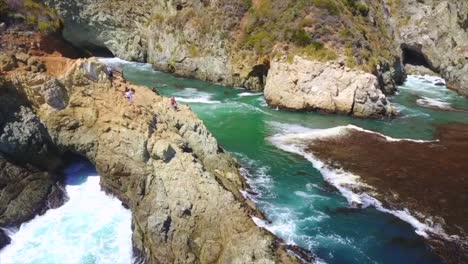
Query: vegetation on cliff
point(319, 29)
point(34, 13)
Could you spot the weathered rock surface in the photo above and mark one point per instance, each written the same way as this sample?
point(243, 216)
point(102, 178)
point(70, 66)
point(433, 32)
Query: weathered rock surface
point(419, 70)
point(224, 41)
point(438, 31)
point(27, 162)
point(311, 85)
point(183, 190)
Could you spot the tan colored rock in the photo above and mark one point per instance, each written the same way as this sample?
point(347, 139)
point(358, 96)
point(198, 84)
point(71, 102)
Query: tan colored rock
point(183, 191)
point(305, 85)
point(7, 62)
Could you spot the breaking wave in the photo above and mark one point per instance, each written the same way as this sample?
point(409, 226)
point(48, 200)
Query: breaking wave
point(91, 227)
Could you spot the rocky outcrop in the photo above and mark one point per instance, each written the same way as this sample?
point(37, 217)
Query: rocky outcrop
point(419, 70)
point(106, 25)
point(228, 41)
point(182, 189)
point(311, 85)
point(434, 34)
point(28, 184)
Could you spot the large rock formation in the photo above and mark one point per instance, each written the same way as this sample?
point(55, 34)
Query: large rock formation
point(28, 159)
point(434, 33)
point(310, 85)
point(230, 41)
point(183, 190)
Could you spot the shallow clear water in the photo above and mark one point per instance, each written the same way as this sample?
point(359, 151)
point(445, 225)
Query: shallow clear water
point(303, 208)
point(90, 227)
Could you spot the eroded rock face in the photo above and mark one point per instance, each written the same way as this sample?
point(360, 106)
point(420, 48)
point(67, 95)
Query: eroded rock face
point(438, 31)
point(27, 163)
point(106, 24)
point(183, 191)
point(310, 85)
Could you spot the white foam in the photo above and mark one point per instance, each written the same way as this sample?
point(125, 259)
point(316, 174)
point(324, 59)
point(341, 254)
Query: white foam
point(193, 95)
point(117, 62)
point(249, 94)
point(348, 184)
point(89, 228)
point(294, 131)
point(426, 101)
point(199, 100)
point(425, 86)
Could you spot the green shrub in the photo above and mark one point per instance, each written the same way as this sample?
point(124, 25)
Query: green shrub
point(363, 9)
point(248, 4)
point(193, 51)
point(329, 5)
point(317, 51)
point(300, 37)
point(261, 41)
point(45, 27)
point(307, 22)
point(45, 19)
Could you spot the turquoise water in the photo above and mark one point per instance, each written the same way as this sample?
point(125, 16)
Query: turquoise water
point(304, 209)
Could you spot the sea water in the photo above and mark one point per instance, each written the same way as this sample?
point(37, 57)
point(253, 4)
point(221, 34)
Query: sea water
point(91, 227)
point(304, 202)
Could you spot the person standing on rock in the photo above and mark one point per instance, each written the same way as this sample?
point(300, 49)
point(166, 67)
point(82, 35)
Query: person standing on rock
point(174, 103)
point(110, 74)
point(129, 95)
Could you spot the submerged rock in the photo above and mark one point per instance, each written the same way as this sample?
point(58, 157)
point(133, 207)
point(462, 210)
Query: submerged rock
point(311, 85)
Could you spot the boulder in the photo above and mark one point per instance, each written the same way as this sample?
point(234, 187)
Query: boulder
point(55, 94)
point(23, 57)
point(4, 239)
point(7, 62)
point(305, 85)
point(163, 150)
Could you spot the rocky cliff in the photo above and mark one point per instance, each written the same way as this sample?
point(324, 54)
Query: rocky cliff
point(434, 34)
point(29, 183)
point(182, 188)
point(233, 42)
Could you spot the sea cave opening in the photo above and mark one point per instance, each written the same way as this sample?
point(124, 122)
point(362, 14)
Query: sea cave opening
point(95, 51)
point(414, 56)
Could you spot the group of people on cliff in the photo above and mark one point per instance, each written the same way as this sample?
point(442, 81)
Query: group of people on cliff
point(129, 93)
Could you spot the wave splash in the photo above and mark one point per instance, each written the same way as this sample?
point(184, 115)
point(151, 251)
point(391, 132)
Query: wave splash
point(91, 227)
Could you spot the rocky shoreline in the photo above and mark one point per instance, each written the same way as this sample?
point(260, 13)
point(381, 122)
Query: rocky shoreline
point(436, 191)
point(182, 188)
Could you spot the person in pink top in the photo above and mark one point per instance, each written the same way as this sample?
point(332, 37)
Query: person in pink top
point(129, 95)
